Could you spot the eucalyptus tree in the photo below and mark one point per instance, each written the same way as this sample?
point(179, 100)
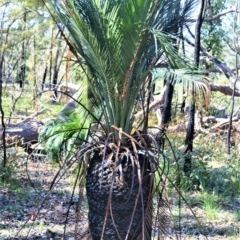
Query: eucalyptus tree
point(213, 33)
point(118, 43)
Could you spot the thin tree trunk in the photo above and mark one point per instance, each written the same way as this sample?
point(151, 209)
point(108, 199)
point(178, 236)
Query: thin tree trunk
point(51, 58)
point(236, 79)
point(44, 76)
point(23, 64)
point(35, 75)
point(187, 168)
point(2, 52)
point(165, 112)
point(56, 68)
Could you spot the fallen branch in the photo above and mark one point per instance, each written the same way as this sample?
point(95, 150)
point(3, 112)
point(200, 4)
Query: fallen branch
point(33, 116)
point(227, 71)
point(223, 123)
point(226, 90)
point(22, 132)
point(157, 101)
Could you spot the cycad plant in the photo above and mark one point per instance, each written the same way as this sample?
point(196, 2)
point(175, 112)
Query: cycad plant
point(119, 43)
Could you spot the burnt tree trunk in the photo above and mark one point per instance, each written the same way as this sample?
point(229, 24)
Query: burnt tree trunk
point(166, 111)
point(116, 209)
point(187, 167)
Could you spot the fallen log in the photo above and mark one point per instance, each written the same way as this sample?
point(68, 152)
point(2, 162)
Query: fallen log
point(220, 124)
point(224, 123)
point(21, 133)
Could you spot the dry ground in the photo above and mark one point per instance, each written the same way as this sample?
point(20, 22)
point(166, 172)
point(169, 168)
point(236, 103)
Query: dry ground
point(29, 211)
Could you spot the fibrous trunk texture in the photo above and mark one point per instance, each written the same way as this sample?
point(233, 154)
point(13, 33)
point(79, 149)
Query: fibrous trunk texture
point(115, 190)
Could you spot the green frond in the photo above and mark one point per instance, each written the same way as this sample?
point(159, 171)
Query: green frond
point(116, 41)
point(63, 134)
point(193, 81)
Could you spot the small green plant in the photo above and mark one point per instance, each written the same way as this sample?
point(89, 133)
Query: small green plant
point(8, 174)
point(237, 215)
point(41, 224)
point(221, 181)
point(210, 206)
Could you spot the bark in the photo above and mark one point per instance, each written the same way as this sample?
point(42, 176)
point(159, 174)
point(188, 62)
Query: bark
point(225, 89)
point(44, 76)
point(157, 100)
point(198, 33)
point(187, 167)
point(35, 94)
point(21, 76)
point(51, 57)
point(167, 106)
point(21, 133)
point(2, 52)
point(126, 205)
point(57, 65)
point(166, 113)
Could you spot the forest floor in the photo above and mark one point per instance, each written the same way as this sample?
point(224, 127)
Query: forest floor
point(29, 211)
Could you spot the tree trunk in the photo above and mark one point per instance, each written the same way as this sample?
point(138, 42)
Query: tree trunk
point(56, 68)
point(21, 76)
point(166, 112)
point(187, 168)
point(115, 210)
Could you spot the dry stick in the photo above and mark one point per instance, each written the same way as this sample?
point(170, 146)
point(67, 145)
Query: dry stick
point(228, 72)
point(153, 104)
point(33, 115)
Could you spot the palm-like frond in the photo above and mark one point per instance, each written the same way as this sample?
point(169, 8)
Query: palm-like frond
point(117, 42)
point(61, 135)
point(70, 127)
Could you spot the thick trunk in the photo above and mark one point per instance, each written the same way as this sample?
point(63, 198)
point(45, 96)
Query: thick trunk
point(126, 206)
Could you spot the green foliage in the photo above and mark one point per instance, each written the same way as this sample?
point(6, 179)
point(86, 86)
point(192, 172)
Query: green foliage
point(120, 42)
point(210, 205)
point(212, 32)
point(213, 171)
point(8, 173)
point(60, 136)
